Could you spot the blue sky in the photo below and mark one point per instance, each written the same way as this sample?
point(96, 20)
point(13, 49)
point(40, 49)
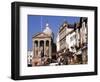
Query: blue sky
point(35, 22)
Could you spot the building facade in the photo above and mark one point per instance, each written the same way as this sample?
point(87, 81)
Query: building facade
point(42, 47)
point(29, 57)
point(73, 38)
point(84, 39)
point(70, 48)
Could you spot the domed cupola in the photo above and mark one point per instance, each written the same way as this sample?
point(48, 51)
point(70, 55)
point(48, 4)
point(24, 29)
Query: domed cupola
point(47, 30)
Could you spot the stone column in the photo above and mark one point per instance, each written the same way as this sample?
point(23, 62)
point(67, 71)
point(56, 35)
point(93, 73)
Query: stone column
point(33, 48)
point(50, 49)
point(38, 48)
point(44, 47)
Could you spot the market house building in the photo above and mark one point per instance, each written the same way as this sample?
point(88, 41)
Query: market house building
point(42, 46)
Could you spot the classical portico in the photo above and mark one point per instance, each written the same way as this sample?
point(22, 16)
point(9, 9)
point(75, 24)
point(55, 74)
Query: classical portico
point(42, 46)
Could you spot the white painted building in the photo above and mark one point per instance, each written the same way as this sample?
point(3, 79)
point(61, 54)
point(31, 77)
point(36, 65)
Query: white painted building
point(57, 43)
point(83, 32)
point(66, 37)
point(71, 35)
point(29, 57)
point(71, 40)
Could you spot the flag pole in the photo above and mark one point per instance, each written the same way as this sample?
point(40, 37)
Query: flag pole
point(41, 23)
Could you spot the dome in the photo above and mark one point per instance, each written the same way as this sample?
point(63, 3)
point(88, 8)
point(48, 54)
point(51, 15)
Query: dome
point(47, 30)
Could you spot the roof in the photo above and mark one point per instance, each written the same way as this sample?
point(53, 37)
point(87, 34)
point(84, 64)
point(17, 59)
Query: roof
point(72, 26)
point(66, 25)
point(41, 35)
point(47, 30)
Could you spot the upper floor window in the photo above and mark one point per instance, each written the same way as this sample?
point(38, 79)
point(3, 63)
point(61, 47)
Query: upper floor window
point(73, 38)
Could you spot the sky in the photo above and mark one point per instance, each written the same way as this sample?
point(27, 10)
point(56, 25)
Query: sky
point(36, 23)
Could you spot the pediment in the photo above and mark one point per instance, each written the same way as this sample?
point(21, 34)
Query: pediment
point(41, 35)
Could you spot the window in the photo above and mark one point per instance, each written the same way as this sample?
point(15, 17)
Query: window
point(73, 38)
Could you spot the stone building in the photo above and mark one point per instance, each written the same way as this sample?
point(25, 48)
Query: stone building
point(70, 48)
point(73, 38)
point(42, 47)
point(84, 39)
point(29, 57)
point(66, 37)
